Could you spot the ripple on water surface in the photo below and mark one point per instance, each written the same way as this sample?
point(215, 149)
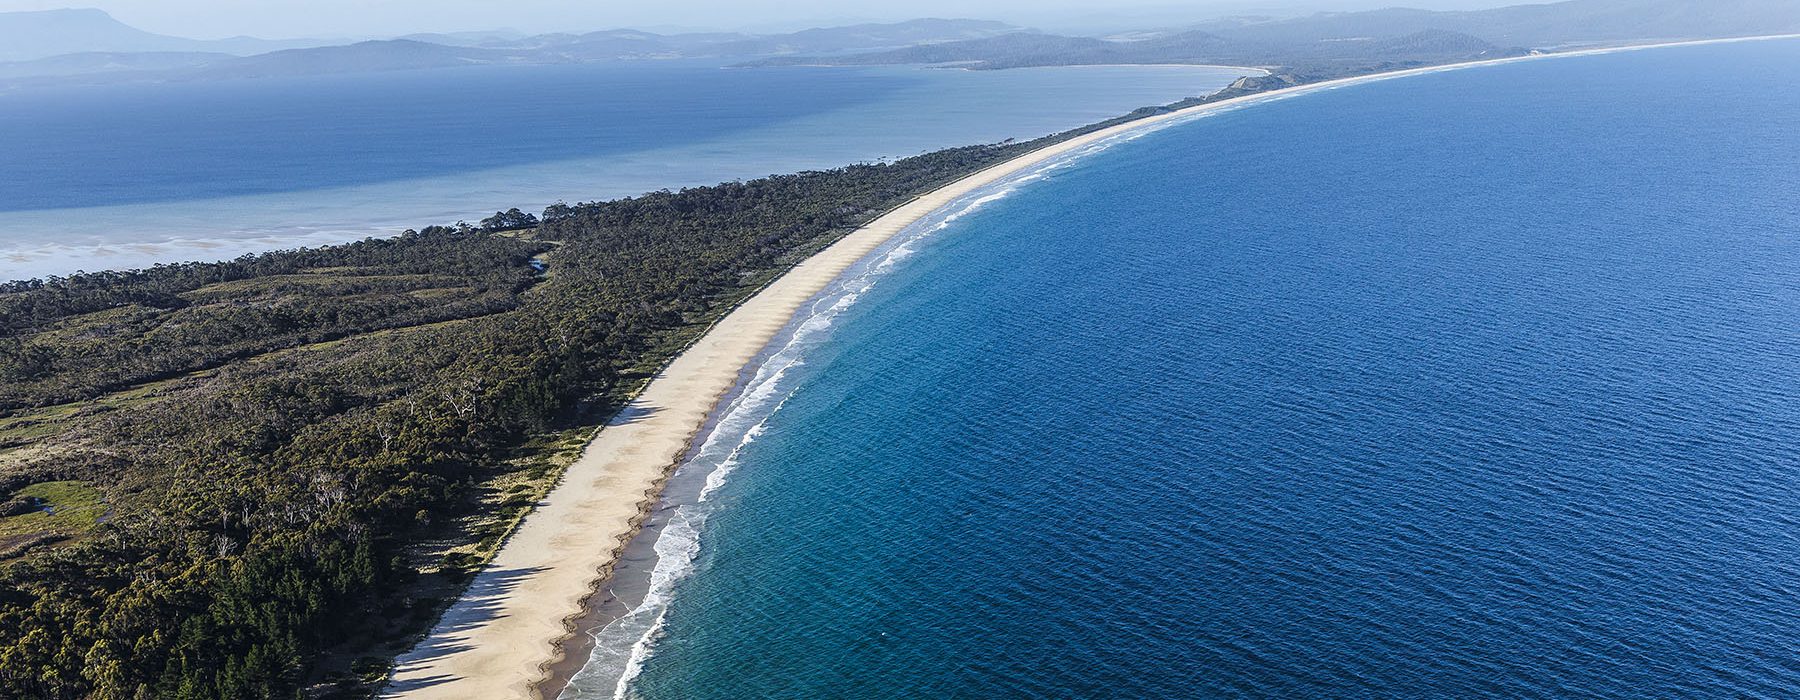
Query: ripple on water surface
point(1476, 384)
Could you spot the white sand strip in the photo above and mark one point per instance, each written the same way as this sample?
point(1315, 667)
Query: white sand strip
point(497, 641)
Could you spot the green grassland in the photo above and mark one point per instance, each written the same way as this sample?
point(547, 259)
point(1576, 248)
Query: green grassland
point(57, 508)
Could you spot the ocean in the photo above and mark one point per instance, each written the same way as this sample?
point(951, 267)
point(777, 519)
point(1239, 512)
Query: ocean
point(1481, 383)
point(132, 175)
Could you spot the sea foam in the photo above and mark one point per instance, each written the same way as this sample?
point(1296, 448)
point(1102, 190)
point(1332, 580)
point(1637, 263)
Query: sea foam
point(623, 646)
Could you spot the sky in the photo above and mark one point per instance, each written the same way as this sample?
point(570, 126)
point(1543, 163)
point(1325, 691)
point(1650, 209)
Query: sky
point(281, 19)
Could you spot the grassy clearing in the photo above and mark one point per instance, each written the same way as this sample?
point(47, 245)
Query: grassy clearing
point(64, 508)
point(28, 426)
point(315, 279)
point(442, 292)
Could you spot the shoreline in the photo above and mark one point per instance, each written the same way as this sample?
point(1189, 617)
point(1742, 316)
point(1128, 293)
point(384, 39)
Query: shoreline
point(503, 638)
point(871, 115)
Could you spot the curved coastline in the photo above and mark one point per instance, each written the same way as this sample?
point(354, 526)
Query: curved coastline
point(502, 638)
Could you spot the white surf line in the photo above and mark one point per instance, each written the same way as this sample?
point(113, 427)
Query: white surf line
point(622, 646)
point(498, 640)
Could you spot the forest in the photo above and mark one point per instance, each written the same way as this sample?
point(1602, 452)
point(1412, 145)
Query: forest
point(265, 478)
point(262, 478)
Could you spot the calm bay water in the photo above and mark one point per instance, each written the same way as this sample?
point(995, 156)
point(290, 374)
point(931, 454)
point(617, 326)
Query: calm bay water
point(130, 175)
point(1483, 383)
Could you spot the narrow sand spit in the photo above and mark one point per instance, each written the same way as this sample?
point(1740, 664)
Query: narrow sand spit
point(497, 641)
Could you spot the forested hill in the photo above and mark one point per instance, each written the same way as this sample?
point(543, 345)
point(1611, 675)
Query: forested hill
point(258, 478)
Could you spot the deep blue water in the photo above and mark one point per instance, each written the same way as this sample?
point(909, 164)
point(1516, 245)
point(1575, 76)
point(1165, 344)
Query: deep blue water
point(130, 175)
point(148, 143)
point(1477, 384)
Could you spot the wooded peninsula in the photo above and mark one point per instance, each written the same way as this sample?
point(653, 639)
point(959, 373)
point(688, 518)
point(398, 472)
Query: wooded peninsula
point(263, 478)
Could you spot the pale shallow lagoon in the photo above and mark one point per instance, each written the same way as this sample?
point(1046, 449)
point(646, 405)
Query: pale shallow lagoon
point(127, 176)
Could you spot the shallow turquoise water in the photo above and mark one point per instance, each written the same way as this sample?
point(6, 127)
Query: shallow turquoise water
point(1475, 384)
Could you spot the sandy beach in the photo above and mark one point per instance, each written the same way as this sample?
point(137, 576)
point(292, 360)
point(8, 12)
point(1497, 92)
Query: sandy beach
point(499, 639)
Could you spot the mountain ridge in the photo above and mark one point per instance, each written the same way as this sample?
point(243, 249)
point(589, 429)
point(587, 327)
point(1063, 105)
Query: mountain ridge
point(103, 62)
point(92, 46)
point(39, 34)
point(1334, 40)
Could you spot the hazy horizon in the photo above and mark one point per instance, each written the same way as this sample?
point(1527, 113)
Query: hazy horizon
point(290, 19)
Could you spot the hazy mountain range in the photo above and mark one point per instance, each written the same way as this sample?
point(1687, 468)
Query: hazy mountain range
point(1553, 25)
point(27, 36)
point(1192, 47)
point(62, 46)
point(111, 51)
point(1330, 40)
